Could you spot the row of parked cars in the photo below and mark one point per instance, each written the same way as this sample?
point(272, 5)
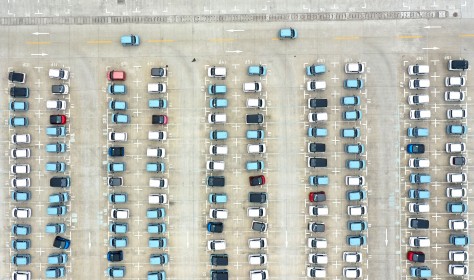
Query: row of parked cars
point(455, 190)
point(318, 114)
point(21, 182)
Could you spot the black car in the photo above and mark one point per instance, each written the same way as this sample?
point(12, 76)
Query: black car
point(217, 227)
point(158, 72)
point(61, 242)
point(216, 181)
point(16, 77)
point(115, 256)
point(115, 181)
point(57, 119)
point(457, 161)
point(221, 274)
point(254, 118)
point(314, 103)
point(257, 180)
point(257, 197)
point(316, 148)
point(159, 119)
point(58, 89)
point(19, 92)
point(219, 259)
point(259, 226)
point(317, 162)
point(60, 182)
point(418, 223)
point(116, 151)
point(316, 227)
point(415, 148)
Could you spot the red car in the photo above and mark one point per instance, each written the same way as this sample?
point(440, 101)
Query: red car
point(57, 119)
point(116, 75)
point(159, 119)
point(416, 256)
point(257, 180)
point(317, 196)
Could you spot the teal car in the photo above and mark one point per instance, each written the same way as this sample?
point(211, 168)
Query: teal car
point(55, 228)
point(353, 83)
point(116, 167)
point(117, 89)
point(56, 147)
point(254, 165)
point(456, 207)
point(156, 275)
point(356, 240)
point(255, 134)
point(354, 148)
point(59, 167)
point(218, 103)
point(59, 197)
point(317, 132)
point(418, 132)
point(21, 259)
point(155, 213)
point(118, 197)
point(418, 194)
point(57, 210)
point(118, 242)
point(420, 271)
point(116, 271)
point(55, 272)
point(257, 70)
point(21, 195)
point(21, 244)
point(287, 33)
point(318, 180)
point(156, 228)
point(159, 259)
point(130, 40)
point(157, 103)
point(117, 105)
point(19, 106)
point(60, 258)
point(217, 198)
point(120, 118)
point(354, 115)
point(157, 242)
point(217, 89)
point(315, 69)
point(420, 178)
point(454, 129)
point(350, 132)
point(459, 240)
point(350, 100)
point(357, 225)
point(56, 131)
point(21, 229)
point(355, 164)
point(155, 167)
point(118, 228)
point(218, 135)
point(356, 195)
point(19, 121)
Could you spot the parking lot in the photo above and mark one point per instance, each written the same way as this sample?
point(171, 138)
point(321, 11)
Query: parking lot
point(187, 51)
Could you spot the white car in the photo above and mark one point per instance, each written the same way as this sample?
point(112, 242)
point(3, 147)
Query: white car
point(56, 105)
point(218, 150)
point(119, 214)
point(355, 180)
point(418, 69)
point(454, 95)
point(216, 72)
point(352, 257)
point(418, 99)
point(21, 213)
point(257, 259)
point(458, 269)
point(118, 136)
point(158, 183)
point(420, 114)
point(256, 212)
point(157, 135)
point(455, 147)
point(456, 177)
point(419, 84)
point(317, 117)
point(455, 82)
point(257, 243)
point(419, 163)
point(216, 118)
point(20, 153)
point(213, 165)
point(352, 272)
point(356, 210)
point(159, 198)
point(259, 274)
point(315, 85)
point(60, 74)
point(21, 275)
point(156, 88)
point(319, 210)
point(215, 213)
point(419, 241)
point(20, 169)
point(252, 87)
point(318, 243)
point(20, 182)
point(216, 245)
point(459, 224)
point(354, 68)
point(155, 152)
point(256, 148)
point(456, 114)
point(415, 207)
point(458, 256)
point(255, 103)
point(316, 272)
point(21, 139)
point(455, 192)
point(318, 258)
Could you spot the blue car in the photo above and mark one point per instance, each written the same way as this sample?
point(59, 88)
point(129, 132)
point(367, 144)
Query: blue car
point(317, 132)
point(315, 69)
point(356, 240)
point(157, 103)
point(419, 178)
point(420, 271)
point(357, 225)
point(155, 167)
point(116, 271)
point(156, 228)
point(287, 33)
point(356, 195)
point(19, 106)
point(56, 147)
point(130, 40)
point(118, 197)
point(418, 132)
point(56, 131)
point(318, 180)
point(59, 197)
point(415, 148)
point(57, 210)
point(352, 115)
point(117, 105)
point(55, 272)
point(355, 164)
point(21, 195)
point(116, 167)
point(453, 129)
point(21, 229)
point(155, 213)
point(354, 148)
point(254, 165)
point(156, 275)
point(217, 198)
point(218, 135)
point(217, 89)
point(218, 103)
point(18, 121)
point(118, 242)
point(55, 228)
point(353, 83)
point(255, 134)
point(350, 100)
point(159, 259)
point(120, 118)
point(117, 89)
point(350, 132)
point(56, 167)
point(21, 244)
point(418, 194)
point(257, 70)
point(456, 207)
point(157, 242)
point(118, 228)
point(60, 258)
point(459, 240)
point(21, 259)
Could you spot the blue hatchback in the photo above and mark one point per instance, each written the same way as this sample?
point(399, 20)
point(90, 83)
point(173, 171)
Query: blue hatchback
point(155, 213)
point(18, 121)
point(257, 70)
point(288, 33)
point(159, 259)
point(117, 89)
point(155, 167)
point(356, 240)
point(19, 106)
point(353, 83)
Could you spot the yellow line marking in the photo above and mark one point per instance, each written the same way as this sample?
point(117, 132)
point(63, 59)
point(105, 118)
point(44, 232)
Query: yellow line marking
point(100, 42)
point(347, 38)
point(466, 35)
point(160, 41)
point(410, 36)
point(222, 40)
point(38, 43)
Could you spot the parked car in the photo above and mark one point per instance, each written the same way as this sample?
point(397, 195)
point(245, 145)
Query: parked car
point(60, 74)
point(118, 197)
point(117, 105)
point(317, 132)
point(317, 196)
point(458, 269)
point(357, 225)
point(458, 147)
point(217, 72)
point(354, 68)
point(418, 132)
point(314, 103)
point(218, 135)
point(157, 135)
point(257, 70)
point(56, 130)
point(258, 180)
point(317, 162)
point(455, 81)
point(416, 223)
point(350, 132)
point(314, 85)
point(216, 181)
point(218, 103)
point(419, 83)
point(350, 100)
point(155, 167)
point(59, 167)
point(159, 72)
point(19, 92)
point(20, 153)
point(457, 161)
point(356, 195)
point(456, 177)
point(60, 89)
point(57, 210)
point(454, 129)
point(459, 240)
point(19, 121)
point(316, 227)
point(418, 194)
point(418, 69)
point(420, 114)
point(419, 241)
point(418, 99)
point(454, 96)
point(356, 240)
point(318, 180)
point(355, 180)
point(57, 119)
point(19, 106)
point(415, 148)
point(61, 242)
point(21, 139)
point(116, 271)
point(315, 69)
point(259, 226)
point(353, 83)
point(356, 210)
point(420, 178)
point(55, 228)
point(116, 89)
point(255, 134)
point(156, 88)
point(458, 65)
point(258, 197)
point(355, 164)
point(157, 103)
point(21, 229)
point(352, 272)
point(456, 207)
point(354, 148)
point(16, 77)
point(456, 192)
